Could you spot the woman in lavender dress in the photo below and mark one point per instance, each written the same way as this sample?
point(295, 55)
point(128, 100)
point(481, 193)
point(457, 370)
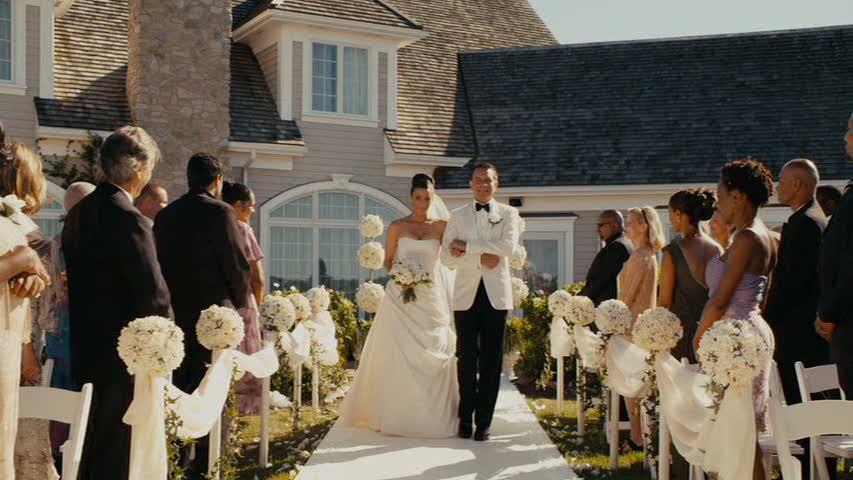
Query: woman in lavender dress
point(242, 199)
point(737, 281)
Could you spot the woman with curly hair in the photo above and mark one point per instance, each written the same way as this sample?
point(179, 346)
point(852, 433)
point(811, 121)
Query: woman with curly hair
point(683, 290)
point(737, 280)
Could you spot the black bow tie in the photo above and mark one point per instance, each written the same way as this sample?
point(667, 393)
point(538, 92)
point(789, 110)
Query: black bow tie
point(487, 207)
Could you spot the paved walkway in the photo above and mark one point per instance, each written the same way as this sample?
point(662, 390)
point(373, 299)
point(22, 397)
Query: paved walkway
point(518, 450)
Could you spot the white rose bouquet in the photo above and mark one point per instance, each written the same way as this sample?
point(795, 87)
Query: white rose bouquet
point(520, 291)
point(220, 328)
point(408, 273)
point(371, 255)
point(732, 353)
point(657, 329)
point(613, 317)
point(519, 256)
point(301, 305)
point(153, 345)
point(371, 226)
point(277, 313)
point(319, 299)
point(369, 296)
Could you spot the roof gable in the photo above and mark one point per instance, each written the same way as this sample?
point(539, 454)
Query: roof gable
point(377, 12)
point(640, 112)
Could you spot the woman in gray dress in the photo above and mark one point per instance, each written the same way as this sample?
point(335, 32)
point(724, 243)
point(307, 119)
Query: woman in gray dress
point(682, 288)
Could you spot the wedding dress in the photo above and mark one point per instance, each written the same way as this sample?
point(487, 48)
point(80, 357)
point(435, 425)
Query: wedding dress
point(406, 382)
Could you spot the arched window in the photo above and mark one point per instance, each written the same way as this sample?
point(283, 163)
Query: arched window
point(48, 218)
point(310, 234)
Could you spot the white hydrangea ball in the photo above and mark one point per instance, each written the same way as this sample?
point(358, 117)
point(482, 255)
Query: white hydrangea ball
point(371, 255)
point(301, 305)
point(152, 345)
point(371, 226)
point(319, 299)
point(519, 256)
point(657, 329)
point(613, 317)
point(277, 313)
point(582, 310)
point(520, 291)
point(369, 296)
point(220, 328)
point(559, 303)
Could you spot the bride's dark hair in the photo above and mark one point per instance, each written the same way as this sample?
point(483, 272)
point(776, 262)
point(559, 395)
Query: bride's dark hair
point(421, 180)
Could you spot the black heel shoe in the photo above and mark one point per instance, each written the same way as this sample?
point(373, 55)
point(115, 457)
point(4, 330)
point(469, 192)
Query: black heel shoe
point(628, 446)
point(465, 430)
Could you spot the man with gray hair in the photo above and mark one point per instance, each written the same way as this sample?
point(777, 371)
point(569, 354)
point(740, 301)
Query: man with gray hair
point(601, 278)
point(113, 278)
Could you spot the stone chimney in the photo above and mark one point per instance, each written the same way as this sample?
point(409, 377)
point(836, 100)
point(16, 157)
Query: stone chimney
point(178, 80)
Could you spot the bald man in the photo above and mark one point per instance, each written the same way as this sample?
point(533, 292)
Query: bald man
point(152, 199)
point(792, 301)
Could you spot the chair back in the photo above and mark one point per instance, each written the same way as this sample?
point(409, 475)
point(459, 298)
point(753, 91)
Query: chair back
point(61, 406)
point(47, 372)
point(817, 379)
point(776, 389)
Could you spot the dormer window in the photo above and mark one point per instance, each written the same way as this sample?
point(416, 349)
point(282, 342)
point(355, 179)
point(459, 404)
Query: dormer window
point(13, 79)
point(339, 85)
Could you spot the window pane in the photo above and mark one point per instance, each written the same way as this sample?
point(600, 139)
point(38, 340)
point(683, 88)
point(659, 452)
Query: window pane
point(48, 218)
point(542, 270)
point(299, 208)
point(355, 80)
point(291, 251)
point(5, 39)
point(338, 206)
point(338, 265)
point(325, 78)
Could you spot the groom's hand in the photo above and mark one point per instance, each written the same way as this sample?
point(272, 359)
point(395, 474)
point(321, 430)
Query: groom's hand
point(489, 260)
point(458, 247)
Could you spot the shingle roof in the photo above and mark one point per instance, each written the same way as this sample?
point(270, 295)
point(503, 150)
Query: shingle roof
point(432, 113)
point(91, 69)
point(664, 111)
point(368, 11)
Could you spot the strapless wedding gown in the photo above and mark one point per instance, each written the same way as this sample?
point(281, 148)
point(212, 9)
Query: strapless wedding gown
point(406, 381)
point(746, 305)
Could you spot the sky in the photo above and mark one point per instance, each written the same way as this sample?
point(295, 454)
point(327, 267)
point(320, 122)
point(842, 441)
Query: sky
point(582, 21)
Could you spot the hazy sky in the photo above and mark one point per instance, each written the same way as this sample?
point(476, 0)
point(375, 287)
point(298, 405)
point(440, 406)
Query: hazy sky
point(580, 21)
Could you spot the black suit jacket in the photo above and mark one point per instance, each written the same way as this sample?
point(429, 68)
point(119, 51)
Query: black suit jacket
point(835, 265)
point(601, 279)
point(202, 256)
point(792, 301)
point(113, 278)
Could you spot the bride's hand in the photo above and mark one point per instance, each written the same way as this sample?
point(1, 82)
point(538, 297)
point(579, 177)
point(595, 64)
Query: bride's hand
point(490, 261)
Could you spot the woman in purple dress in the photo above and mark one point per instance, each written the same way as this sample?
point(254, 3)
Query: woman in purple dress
point(737, 281)
point(242, 199)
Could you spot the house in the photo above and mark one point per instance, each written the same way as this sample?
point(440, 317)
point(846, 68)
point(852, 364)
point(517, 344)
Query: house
point(327, 107)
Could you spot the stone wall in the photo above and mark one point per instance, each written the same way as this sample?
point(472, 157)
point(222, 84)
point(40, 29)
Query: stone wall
point(178, 79)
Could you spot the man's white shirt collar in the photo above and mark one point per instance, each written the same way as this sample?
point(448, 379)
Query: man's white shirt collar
point(126, 193)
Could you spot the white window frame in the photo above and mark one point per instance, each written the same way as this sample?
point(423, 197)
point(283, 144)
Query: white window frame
point(18, 83)
point(556, 228)
point(311, 115)
point(315, 223)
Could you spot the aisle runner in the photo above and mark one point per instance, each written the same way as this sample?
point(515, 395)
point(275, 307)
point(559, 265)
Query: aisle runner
point(518, 450)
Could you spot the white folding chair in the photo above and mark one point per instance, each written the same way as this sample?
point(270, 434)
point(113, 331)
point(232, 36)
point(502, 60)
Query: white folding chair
point(47, 372)
point(808, 419)
point(766, 442)
point(61, 406)
point(822, 378)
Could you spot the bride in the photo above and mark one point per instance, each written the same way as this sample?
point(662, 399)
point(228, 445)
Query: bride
point(406, 382)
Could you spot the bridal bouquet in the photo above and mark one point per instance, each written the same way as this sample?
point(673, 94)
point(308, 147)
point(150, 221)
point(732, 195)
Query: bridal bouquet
point(657, 329)
point(369, 296)
point(613, 317)
point(301, 305)
point(277, 313)
point(220, 328)
point(371, 226)
point(732, 353)
point(519, 256)
point(11, 205)
point(409, 273)
point(153, 345)
point(371, 255)
point(520, 291)
point(319, 299)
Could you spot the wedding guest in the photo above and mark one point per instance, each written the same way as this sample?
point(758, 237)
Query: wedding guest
point(152, 199)
point(113, 278)
point(793, 295)
point(683, 290)
point(738, 279)
point(601, 278)
point(201, 251)
point(828, 197)
point(721, 232)
point(242, 199)
point(638, 286)
point(835, 277)
point(55, 301)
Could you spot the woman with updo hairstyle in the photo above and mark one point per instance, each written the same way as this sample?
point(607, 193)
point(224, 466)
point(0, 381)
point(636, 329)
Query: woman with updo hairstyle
point(682, 289)
point(737, 280)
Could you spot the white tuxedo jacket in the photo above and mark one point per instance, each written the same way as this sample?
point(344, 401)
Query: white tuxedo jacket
point(482, 236)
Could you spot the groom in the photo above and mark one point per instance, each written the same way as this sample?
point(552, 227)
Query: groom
point(480, 238)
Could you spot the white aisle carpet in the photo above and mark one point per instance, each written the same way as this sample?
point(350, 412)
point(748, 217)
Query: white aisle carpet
point(518, 450)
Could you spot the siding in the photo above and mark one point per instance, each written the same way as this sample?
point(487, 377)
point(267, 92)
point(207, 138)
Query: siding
point(587, 243)
point(18, 112)
point(268, 59)
point(383, 89)
point(297, 80)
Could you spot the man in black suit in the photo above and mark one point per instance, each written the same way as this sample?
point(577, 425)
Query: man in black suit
point(201, 253)
point(792, 301)
point(835, 276)
point(113, 278)
point(601, 279)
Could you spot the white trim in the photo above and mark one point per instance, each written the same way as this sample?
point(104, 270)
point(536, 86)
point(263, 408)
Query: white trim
point(18, 83)
point(267, 156)
point(391, 121)
point(9, 89)
point(267, 148)
point(285, 74)
point(46, 54)
point(564, 225)
point(405, 165)
point(350, 121)
point(339, 117)
point(372, 84)
point(71, 134)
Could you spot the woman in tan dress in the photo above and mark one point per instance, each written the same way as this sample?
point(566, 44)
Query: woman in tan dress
point(638, 286)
